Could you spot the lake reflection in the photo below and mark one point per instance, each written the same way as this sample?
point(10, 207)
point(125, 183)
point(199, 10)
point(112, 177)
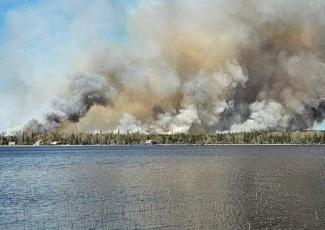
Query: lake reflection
point(162, 187)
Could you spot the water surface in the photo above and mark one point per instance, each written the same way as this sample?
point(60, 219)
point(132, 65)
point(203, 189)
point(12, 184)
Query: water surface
point(162, 187)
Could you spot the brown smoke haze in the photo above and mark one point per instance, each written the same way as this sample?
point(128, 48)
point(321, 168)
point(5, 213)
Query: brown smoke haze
point(209, 65)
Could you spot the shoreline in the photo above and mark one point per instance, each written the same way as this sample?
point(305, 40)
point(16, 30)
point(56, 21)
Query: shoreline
point(122, 145)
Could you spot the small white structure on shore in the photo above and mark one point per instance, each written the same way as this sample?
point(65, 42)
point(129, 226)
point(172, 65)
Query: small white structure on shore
point(38, 142)
point(12, 143)
point(151, 142)
point(55, 143)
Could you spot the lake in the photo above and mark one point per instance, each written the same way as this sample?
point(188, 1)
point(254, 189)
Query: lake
point(162, 187)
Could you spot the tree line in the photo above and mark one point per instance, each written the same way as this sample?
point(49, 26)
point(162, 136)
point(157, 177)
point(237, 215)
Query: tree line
point(255, 137)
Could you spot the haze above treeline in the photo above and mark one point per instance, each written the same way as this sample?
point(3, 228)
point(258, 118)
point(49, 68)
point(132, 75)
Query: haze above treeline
point(57, 138)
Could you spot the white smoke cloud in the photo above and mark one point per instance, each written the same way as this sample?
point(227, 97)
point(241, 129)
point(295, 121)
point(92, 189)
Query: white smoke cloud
point(182, 122)
point(264, 116)
point(128, 124)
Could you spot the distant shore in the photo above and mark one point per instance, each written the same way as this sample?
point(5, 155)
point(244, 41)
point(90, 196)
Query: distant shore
point(130, 145)
point(119, 139)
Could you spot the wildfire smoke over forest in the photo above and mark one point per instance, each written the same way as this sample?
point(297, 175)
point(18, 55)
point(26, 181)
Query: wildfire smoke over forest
point(206, 65)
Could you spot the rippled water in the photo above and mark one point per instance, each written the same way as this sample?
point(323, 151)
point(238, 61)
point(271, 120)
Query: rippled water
point(162, 187)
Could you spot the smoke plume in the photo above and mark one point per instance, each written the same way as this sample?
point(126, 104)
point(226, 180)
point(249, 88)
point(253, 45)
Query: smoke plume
point(210, 65)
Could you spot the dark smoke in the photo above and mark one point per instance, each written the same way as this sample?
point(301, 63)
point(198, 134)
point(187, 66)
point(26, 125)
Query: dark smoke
point(83, 93)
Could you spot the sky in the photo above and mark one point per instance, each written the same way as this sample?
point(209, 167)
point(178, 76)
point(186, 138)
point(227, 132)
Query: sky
point(40, 40)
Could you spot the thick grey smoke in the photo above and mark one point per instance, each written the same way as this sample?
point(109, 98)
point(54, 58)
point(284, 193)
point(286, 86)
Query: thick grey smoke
point(83, 93)
point(210, 65)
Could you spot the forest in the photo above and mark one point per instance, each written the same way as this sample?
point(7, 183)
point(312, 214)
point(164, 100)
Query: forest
point(101, 138)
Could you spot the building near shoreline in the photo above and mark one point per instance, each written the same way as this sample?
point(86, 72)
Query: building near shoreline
point(151, 142)
point(38, 142)
point(56, 143)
